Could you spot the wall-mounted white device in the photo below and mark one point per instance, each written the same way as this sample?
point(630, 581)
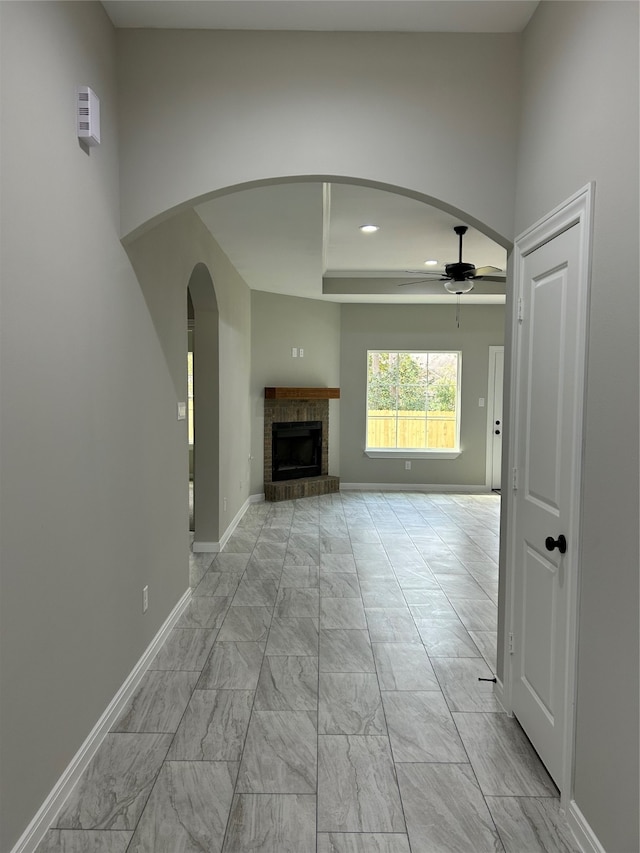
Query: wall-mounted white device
point(88, 116)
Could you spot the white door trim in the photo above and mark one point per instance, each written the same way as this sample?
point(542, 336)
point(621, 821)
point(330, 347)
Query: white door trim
point(493, 353)
point(576, 211)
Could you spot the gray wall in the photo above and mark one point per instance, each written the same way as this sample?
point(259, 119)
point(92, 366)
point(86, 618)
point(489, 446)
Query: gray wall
point(433, 112)
point(278, 324)
point(93, 478)
point(164, 259)
point(91, 509)
point(418, 327)
point(580, 123)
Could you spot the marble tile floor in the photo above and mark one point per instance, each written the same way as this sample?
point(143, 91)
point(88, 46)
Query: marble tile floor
point(321, 695)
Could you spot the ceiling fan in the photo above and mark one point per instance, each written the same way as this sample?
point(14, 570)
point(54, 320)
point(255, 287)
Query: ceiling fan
point(459, 277)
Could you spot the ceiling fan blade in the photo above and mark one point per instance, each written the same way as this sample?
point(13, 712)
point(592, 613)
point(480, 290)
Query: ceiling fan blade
point(497, 279)
point(421, 281)
point(425, 274)
point(484, 271)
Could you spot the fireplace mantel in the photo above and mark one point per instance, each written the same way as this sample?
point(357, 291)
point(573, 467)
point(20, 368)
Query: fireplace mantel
point(286, 393)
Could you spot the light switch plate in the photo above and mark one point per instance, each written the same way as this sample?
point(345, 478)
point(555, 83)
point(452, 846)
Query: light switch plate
point(182, 411)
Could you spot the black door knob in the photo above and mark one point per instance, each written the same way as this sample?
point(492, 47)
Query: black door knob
point(560, 543)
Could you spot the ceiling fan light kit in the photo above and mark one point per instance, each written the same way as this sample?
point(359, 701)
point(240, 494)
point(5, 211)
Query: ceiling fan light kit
point(458, 287)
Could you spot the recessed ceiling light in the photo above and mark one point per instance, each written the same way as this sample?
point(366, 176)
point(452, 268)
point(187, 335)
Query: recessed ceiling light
point(369, 229)
point(430, 263)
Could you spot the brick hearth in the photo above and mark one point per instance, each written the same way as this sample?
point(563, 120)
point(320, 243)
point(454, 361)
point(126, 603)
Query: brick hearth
point(285, 405)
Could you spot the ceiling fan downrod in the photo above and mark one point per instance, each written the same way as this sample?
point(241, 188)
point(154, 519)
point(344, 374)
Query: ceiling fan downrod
point(460, 230)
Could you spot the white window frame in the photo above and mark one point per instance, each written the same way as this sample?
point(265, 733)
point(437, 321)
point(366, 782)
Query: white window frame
point(415, 453)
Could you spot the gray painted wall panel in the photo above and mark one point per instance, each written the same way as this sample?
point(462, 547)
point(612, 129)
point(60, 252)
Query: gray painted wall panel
point(580, 123)
point(89, 506)
point(222, 108)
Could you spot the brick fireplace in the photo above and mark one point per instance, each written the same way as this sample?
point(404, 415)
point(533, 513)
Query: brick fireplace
point(298, 408)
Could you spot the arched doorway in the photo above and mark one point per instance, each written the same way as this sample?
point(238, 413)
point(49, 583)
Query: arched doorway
point(203, 334)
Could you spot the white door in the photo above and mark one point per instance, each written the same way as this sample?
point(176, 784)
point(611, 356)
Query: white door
point(551, 283)
point(495, 425)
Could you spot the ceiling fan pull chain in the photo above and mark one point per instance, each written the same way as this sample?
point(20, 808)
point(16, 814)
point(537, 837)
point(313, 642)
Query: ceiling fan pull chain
point(458, 310)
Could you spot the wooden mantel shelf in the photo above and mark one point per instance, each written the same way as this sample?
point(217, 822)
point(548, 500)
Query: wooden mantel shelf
point(284, 393)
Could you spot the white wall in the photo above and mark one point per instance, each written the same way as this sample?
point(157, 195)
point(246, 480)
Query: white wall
point(91, 509)
point(435, 113)
point(417, 327)
point(278, 324)
point(580, 123)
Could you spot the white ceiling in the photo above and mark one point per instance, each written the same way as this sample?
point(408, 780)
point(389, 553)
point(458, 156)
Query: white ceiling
point(469, 16)
point(288, 238)
point(291, 238)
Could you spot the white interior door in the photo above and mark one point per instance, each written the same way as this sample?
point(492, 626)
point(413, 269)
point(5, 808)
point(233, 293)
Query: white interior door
point(495, 425)
point(551, 283)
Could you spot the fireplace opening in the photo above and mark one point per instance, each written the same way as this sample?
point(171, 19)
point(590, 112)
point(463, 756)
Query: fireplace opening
point(296, 450)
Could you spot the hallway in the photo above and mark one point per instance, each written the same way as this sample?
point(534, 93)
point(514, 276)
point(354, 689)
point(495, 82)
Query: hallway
point(320, 695)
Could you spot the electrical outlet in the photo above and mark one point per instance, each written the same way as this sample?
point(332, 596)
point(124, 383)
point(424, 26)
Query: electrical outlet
point(301, 352)
point(407, 465)
point(145, 599)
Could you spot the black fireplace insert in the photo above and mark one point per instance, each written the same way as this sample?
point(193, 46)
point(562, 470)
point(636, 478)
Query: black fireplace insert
point(296, 450)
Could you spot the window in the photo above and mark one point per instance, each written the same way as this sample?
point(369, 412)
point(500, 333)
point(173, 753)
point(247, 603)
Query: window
point(413, 403)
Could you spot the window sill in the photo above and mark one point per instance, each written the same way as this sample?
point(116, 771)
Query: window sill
point(411, 454)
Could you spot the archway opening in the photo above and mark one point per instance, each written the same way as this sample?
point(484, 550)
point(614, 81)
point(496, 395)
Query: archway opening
point(204, 454)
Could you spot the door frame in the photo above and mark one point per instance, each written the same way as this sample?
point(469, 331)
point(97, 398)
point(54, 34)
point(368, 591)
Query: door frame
point(575, 211)
point(491, 390)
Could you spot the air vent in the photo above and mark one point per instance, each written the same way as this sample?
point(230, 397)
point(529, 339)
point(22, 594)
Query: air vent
point(88, 116)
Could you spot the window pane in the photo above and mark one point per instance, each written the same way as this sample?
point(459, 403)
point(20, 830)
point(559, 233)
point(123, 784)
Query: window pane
point(413, 364)
point(382, 379)
point(443, 379)
point(383, 365)
point(412, 398)
point(412, 432)
point(441, 433)
point(382, 397)
point(381, 432)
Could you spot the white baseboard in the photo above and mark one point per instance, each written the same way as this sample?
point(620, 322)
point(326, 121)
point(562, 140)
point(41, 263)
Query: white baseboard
point(234, 523)
point(215, 547)
point(205, 547)
point(585, 836)
point(414, 487)
point(35, 832)
point(498, 692)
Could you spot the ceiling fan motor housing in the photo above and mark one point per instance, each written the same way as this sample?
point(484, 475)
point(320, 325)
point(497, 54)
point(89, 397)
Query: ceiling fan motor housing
point(459, 271)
